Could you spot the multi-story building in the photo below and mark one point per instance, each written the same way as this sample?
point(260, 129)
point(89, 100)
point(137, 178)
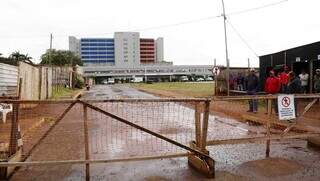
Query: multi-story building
point(126, 49)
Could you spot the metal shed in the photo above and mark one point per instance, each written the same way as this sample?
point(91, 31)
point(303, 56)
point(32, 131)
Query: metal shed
point(305, 57)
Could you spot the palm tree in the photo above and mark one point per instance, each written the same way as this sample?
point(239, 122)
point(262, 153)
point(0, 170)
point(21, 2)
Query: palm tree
point(17, 56)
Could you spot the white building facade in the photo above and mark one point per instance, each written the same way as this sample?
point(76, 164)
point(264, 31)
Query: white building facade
point(127, 49)
point(159, 50)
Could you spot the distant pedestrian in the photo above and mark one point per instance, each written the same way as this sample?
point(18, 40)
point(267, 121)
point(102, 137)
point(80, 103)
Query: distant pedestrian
point(252, 83)
point(284, 79)
point(240, 82)
point(316, 81)
point(272, 86)
point(231, 82)
point(294, 87)
point(304, 77)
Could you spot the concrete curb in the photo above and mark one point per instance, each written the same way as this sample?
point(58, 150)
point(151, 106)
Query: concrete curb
point(78, 95)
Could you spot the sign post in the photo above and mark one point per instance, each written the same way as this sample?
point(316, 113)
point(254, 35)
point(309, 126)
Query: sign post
point(215, 72)
point(286, 107)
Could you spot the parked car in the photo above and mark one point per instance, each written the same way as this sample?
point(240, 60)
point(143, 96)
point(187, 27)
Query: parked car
point(137, 79)
point(209, 79)
point(111, 81)
point(184, 79)
point(200, 79)
point(105, 82)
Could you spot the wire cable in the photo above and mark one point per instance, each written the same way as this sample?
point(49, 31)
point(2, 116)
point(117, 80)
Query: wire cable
point(241, 38)
point(167, 25)
point(256, 8)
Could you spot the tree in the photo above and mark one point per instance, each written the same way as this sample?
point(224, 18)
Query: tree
point(17, 56)
point(60, 58)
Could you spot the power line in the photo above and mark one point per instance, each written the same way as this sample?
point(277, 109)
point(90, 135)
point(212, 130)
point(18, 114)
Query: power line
point(169, 25)
point(256, 8)
point(242, 39)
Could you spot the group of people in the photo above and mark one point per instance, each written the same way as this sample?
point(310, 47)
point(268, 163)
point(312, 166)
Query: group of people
point(285, 82)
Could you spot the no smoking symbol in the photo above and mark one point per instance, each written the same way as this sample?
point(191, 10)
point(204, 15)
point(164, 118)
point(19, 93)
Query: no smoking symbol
point(285, 101)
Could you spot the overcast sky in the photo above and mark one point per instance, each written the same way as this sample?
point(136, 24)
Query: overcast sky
point(26, 26)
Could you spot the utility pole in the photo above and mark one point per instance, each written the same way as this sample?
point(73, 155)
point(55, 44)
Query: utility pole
point(226, 44)
point(50, 50)
point(215, 78)
point(248, 63)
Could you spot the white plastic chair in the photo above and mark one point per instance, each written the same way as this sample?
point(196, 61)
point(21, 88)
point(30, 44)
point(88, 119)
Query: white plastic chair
point(5, 109)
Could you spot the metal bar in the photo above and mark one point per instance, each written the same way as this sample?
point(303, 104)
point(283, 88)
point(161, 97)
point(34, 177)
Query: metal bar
point(205, 125)
point(51, 128)
point(248, 97)
point(216, 98)
point(64, 162)
point(259, 139)
point(145, 130)
point(86, 140)
point(197, 116)
point(106, 100)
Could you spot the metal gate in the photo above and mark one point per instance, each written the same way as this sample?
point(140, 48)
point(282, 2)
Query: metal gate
point(104, 131)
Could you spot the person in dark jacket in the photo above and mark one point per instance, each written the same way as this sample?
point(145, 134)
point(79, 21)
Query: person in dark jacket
point(294, 84)
point(316, 81)
point(252, 83)
point(294, 87)
point(240, 82)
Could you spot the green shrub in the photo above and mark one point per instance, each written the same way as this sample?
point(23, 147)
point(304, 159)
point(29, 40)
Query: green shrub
point(79, 83)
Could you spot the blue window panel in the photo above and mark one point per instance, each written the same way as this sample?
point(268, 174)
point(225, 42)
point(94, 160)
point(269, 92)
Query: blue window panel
point(95, 57)
point(97, 44)
point(93, 53)
point(110, 49)
point(97, 48)
point(96, 40)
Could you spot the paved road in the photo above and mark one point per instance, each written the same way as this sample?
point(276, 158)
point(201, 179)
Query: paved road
point(114, 91)
point(232, 161)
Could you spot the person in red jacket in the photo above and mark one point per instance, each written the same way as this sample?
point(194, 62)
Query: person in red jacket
point(284, 79)
point(272, 86)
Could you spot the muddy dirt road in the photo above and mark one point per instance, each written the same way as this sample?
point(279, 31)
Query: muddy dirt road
point(109, 139)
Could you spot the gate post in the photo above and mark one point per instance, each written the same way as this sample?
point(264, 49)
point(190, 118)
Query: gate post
point(15, 144)
point(203, 165)
point(197, 117)
point(86, 140)
point(269, 108)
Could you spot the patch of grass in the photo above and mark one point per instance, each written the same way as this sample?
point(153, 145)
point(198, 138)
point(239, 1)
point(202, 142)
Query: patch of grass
point(184, 89)
point(63, 92)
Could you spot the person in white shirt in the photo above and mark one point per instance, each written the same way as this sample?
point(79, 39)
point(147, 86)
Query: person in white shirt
point(304, 78)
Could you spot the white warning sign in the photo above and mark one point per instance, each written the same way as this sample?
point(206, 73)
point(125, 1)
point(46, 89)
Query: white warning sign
point(286, 107)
